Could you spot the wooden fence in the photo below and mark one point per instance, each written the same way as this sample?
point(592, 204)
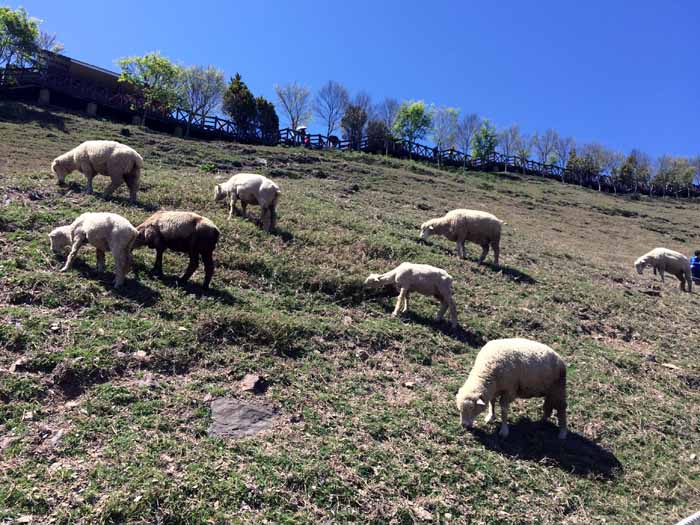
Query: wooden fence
point(127, 101)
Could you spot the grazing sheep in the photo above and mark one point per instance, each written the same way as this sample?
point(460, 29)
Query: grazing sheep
point(512, 369)
point(251, 189)
point(105, 231)
point(184, 232)
point(106, 157)
point(423, 279)
point(474, 226)
point(665, 260)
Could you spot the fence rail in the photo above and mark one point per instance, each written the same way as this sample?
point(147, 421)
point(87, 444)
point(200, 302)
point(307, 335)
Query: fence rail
point(127, 101)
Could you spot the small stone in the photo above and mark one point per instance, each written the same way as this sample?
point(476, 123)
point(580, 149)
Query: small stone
point(147, 381)
point(18, 365)
point(27, 416)
point(409, 384)
point(670, 366)
point(423, 514)
point(57, 438)
point(55, 327)
point(234, 418)
point(347, 320)
point(25, 519)
point(72, 404)
point(693, 457)
point(253, 383)
point(7, 441)
point(181, 329)
point(140, 355)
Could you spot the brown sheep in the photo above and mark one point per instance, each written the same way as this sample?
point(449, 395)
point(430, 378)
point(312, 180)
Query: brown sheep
point(184, 232)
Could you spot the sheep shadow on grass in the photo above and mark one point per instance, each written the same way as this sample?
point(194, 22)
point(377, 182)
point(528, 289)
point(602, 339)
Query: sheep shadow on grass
point(193, 287)
point(132, 288)
point(74, 186)
point(510, 273)
point(537, 441)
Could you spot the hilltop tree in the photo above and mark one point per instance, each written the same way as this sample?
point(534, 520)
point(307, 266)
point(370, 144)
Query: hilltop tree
point(49, 42)
point(563, 147)
point(466, 130)
point(239, 104)
point(156, 77)
point(545, 145)
point(444, 128)
point(378, 136)
point(364, 101)
point(413, 120)
point(635, 170)
point(267, 121)
point(18, 36)
point(330, 103)
point(386, 111)
point(508, 140)
point(296, 102)
point(353, 124)
point(485, 140)
point(201, 91)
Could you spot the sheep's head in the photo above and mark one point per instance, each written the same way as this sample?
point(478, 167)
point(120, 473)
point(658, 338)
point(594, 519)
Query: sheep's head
point(640, 264)
point(373, 280)
point(140, 239)
point(426, 230)
point(469, 407)
point(218, 192)
point(60, 239)
point(59, 169)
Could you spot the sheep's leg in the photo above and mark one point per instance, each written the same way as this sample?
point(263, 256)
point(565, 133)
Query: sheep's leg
point(232, 204)
point(132, 182)
point(661, 273)
point(460, 249)
point(158, 265)
point(77, 243)
point(121, 266)
point(547, 409)
point(89, 175)
point(492, 411)
point(100, 261)
point(503, 432)
point(484, 252)
point(405, 303)
point(681, 278)
point(266, 219)
point(496, 251)
point(194, 263)
point(208, 261)
point(561, 419)
point(453, 313)
point(244, 209)
point(113, 185)
point(442, 310)
point(399, 301)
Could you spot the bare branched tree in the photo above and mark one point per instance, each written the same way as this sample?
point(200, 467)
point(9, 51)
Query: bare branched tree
point(364, 100)
point(466, 130)
point(386, 111)
point(49, 42)
point(201, 91)
point(564, 146)
point(508, 140)
point(295, 100)
point(545, 145)
point(330, 103)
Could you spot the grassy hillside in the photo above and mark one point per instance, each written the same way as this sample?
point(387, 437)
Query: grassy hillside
point(105, 396)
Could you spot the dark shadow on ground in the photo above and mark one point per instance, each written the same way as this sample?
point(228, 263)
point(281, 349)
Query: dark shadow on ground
point(132, 288)
point(195, 288)
point(537, 441)
point(512, 274)
point(75, 187)
point(286, 236)
point(15, 112)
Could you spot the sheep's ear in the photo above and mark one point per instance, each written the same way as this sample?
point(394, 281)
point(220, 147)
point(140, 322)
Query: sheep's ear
point(480, 402)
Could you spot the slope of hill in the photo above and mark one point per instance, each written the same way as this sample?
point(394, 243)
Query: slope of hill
point(105, 395)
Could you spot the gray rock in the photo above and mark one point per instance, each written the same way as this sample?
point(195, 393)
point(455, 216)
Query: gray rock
point(235, 418)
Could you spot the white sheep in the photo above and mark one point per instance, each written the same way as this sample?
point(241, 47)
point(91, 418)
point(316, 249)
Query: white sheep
point(105, 231)
point(514, 369)
point(105, 157)
point(665, 260)
point(423, 279)
point(474, 226)
point(251, 189)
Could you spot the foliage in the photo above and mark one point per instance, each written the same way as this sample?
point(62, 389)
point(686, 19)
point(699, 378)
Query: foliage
point(296, 103)
point(201, 90)
point(485, 140)
point(378, 136)
point(239, 104)
point(413, 120)
point(18, 36)
point(156, 78)
point(267, 121)
point(353, 124)
point(330, 104)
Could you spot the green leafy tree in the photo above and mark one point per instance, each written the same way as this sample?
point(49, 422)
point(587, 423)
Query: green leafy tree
point(485, 140)
point(157, 79)
point(413, 120)
point(201, 91)
point(353, 124)
point(239, 104)
point(18, 37)
point(267, 121)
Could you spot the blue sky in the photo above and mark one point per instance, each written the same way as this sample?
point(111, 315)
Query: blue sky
point(623, 73)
